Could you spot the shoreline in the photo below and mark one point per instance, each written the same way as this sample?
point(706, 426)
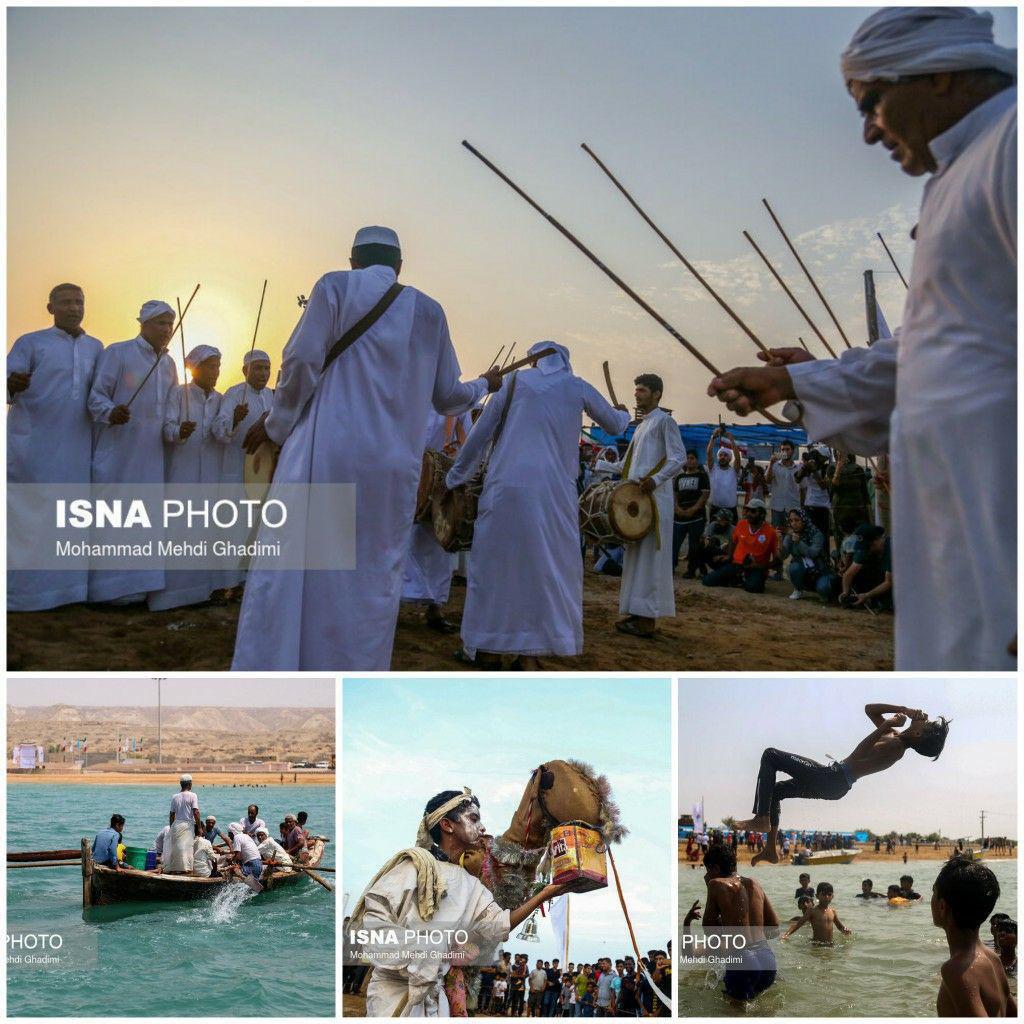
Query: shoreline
point(232, 779)
point(865, 855)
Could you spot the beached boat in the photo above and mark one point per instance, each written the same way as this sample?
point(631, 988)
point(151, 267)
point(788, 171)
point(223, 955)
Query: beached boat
point(825, 857)
point(102, 885)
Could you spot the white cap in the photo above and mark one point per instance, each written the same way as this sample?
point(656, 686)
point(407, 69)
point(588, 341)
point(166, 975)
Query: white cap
point(185, 778)
point(255, 356)
point(200, 354)
point(152, 308)
point(210, 817)
point(376, 235)
point(755, 503)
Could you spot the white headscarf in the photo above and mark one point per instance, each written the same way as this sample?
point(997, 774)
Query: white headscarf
point(255, 356)
point(897, 41)
point(553, 363)
point(200, 353)
point(155, 307)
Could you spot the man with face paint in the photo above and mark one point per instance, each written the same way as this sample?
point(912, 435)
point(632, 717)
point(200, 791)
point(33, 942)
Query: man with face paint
point(425, 888)
point(936, 90)
point(129, 441)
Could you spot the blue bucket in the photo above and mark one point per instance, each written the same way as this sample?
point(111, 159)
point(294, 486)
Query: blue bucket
point(150, 860)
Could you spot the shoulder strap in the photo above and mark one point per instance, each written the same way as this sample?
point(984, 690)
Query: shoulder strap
point(360, 327)
point(504, 416)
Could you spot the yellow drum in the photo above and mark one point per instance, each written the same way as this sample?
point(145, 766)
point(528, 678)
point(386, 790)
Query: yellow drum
point(616, 512)
point(258, 470)
point(578, 857)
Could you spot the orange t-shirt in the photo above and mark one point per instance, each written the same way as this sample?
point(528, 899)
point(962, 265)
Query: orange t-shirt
point(761, 545)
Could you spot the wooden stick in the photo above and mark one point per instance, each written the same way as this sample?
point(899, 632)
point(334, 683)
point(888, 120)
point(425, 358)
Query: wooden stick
point(256, 330)
point(494, 361)
point(793, 298)
point(528, 360)
point(686, 263)
point(35, 855)
point(184, 365)
point(508, 355)
point(803, 267)
point(47, 864)
point(312, 874)
point(645, 306)
point(608, 382)
point(162, 351)
point(892, 260)
point(804, 343)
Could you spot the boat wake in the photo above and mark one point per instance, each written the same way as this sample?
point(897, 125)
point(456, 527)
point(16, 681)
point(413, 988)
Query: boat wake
point(228, 902)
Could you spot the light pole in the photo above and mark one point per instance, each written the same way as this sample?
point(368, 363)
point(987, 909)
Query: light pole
point(159, 724)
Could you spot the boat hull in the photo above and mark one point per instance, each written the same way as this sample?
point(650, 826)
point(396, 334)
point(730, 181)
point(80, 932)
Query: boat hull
point(827, 858)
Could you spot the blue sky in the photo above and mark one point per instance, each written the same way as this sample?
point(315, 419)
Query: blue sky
point(229, 145)
point(724, 724)
point(407, 739)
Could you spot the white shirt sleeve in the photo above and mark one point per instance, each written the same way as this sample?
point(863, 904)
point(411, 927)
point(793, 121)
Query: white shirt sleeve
point(599, 409)
point(451, 396)
point(675, 453)
point(173, 415)
point(223, 428)
point(101, 395)
point(471, 454)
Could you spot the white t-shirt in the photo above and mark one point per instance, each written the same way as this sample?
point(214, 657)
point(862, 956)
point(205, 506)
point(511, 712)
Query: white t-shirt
point(538, 979)
point(246, 847)
point(499, 988)
point(815, 496)
point(271, 849)
point(784, 487)
point(723, 486)
point(252, 827)
point(160, 839)
point(183, 804)
point(202, 857)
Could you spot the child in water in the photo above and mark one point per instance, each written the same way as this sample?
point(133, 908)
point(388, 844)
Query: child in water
point(803, 905)
point(896, 897)
point(822, 918)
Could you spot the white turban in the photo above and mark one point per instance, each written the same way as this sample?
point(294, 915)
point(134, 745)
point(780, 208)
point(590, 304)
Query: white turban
point(199, 354)
point(725, 451)
point(153, 308)
point(898, 41)
point(255, 356)
point(552, 363)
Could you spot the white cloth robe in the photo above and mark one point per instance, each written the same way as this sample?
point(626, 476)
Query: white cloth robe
point(428, 567)
point(196, 460)
point(525, 585)
point(646, 585)
point(49, 441)
point(391, 903)
point(360, 423)
point(942, 399)
point(132, 453)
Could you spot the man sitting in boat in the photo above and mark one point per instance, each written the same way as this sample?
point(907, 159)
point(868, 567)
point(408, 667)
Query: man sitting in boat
point(204, 860)
point(162, 841)
point(295, 839)
point(104, 846)
point(185, 821)
point(302, 817)
point(248, 862)
point(271, 851)
point(252, 822)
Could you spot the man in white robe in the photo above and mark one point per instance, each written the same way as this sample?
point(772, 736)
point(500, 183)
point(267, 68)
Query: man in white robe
point(525, 594)
point(193, 471)
point(129, 442)
point(358, 422)
point(179, 847)
point(936, 90)
point(654, 459)
point(49, 437)
point(427, 577)
point(426, 884)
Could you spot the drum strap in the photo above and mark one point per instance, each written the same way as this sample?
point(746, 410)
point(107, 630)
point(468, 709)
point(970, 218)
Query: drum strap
point(360, 327)
point(501, 422)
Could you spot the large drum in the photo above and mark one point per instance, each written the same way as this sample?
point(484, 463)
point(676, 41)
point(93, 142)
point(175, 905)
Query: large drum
point(433, 469)
point(616, 512)
point(454, 513)
point(258, 470)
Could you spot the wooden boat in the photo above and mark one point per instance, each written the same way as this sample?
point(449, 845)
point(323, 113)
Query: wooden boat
point(102, 885)
point(34, 856)
point(825, 857)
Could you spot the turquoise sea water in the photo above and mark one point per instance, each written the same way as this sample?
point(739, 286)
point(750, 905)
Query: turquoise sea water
point(889, 966)
point(236, 955)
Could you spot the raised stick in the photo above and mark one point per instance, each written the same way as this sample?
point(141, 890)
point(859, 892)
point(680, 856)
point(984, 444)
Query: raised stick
point(528, 360)
point(804, 343)
point(608, 382)
point(508, 355)
point(803, 267)
point(686, 263)
point(160, 354)
point(645, 306)
point(184, 365)
point(892, 260)
point(793, 298)
point(256, 330)
point(494, 361)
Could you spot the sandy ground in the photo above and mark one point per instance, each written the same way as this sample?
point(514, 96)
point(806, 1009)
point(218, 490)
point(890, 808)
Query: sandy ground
point(155, 779)
point(866, 855)
point(714, 630)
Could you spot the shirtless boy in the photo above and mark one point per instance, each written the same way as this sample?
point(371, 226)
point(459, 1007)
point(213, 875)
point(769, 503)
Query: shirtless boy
point(740, 904)
point(803, 905)
point(821, 918)
point(810, 780)
point(973, 980)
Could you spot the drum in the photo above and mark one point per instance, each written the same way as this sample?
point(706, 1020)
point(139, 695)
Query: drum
point(616, 512)
point(258, 470)
point(435, 466)
point(454, 513)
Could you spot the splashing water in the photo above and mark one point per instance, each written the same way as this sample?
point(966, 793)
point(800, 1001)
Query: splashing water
point(227, 903)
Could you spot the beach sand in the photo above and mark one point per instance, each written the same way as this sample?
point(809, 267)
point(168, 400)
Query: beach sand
point(867, 855)
point(714, 629)
point(165, 779)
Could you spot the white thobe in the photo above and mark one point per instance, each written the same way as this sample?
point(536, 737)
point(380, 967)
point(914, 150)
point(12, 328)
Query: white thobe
point(646, 586)
point(359, 423)
point(525, 592)
point(49, 441)
point(195, 461)
point(942, 398)
point(391, 903)
point(132, 453)
point(230, 436)
point(428, 567)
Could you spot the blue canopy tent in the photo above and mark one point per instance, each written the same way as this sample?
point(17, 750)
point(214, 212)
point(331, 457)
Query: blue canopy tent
point(760, 439)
